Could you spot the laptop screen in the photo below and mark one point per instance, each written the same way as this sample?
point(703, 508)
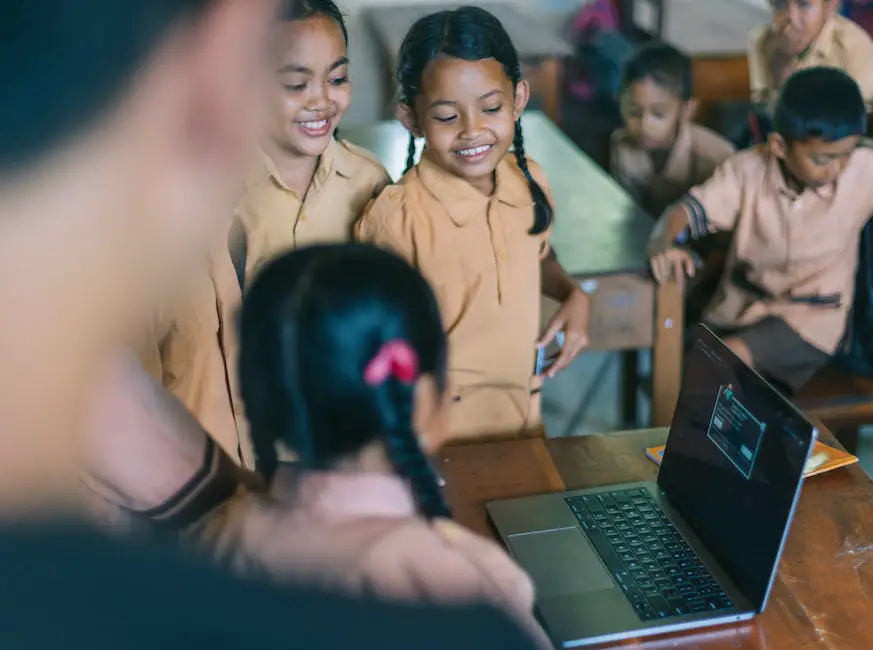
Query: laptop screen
point(734, 462)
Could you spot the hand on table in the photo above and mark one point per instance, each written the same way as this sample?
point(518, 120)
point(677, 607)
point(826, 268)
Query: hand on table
point(670, 263)
point(573, 319)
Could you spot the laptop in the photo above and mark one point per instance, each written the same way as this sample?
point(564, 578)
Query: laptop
point(700, 547)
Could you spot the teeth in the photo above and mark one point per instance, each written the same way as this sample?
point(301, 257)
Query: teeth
point(475, 151)
point(314, 125)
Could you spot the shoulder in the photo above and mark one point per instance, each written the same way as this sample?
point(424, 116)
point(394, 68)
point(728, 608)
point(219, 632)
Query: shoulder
point(851, 34)
point(361, 160)
point(532, 165)
point(709, 145)
point(863, 156)
point(620, 138)
point(386, 218)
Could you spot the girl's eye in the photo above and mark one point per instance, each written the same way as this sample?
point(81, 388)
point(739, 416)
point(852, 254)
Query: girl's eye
point(294, 88)
point(494, 109)
point(339, 81)
point(443, 119)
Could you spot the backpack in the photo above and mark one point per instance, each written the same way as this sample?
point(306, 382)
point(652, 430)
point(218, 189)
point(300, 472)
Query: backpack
point(601, 51)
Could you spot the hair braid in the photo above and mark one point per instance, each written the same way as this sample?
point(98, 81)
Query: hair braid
point(410, 154)
point(406, 454)
point(542, 207)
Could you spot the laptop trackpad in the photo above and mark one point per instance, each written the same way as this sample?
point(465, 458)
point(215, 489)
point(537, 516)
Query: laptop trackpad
point(560, 562)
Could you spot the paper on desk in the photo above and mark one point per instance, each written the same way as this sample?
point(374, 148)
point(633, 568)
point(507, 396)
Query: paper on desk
point(835, 458)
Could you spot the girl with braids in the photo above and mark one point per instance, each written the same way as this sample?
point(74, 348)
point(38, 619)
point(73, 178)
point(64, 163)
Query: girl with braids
point(474, 218)
point(310, 186)
point(343, 361)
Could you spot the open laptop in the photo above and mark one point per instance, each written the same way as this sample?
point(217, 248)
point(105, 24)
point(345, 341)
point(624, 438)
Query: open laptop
point(702, 546)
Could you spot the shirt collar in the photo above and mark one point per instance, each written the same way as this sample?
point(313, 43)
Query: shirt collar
point(462, 201)
point(822, 48)
point(776, 177)
point(678, 163)
point(336, 159)
point(347, 494)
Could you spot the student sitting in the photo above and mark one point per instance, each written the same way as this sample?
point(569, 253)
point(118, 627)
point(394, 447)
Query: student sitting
point(803, 34)
point(660, 153)
point(474, 219)
point(344, 362)
point(796, 206)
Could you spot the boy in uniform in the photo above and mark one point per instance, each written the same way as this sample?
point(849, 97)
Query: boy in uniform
point(796, 207)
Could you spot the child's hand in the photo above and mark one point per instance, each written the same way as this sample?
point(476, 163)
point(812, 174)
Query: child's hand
point(671, 263)
point(573, 318)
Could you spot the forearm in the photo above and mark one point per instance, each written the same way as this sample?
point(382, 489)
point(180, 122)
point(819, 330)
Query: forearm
point(556, 283)
point(669, 227)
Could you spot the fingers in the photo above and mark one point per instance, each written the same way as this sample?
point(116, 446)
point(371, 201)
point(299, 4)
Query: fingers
point(575, 343)
point(557, 323)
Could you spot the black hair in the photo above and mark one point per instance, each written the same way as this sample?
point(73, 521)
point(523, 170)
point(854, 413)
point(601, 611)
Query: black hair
point(63, 63)
point(311, 323)
point(821, 103)
point(663, 64)
point(471, 34)
point(303, 9)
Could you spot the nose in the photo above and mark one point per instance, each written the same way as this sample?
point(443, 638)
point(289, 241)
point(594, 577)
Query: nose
point(795, 16)
point(317, 99)
point(471, 123)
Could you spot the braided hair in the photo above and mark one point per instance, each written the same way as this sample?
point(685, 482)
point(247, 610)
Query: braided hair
point(471, 34)
point(312, 322)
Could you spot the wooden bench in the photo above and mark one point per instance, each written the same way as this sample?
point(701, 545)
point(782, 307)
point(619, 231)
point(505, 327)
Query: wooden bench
point(841, 400)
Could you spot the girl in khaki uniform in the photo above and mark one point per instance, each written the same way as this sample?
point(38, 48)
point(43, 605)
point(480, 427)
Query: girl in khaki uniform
point(474, 219)
point(309, 187)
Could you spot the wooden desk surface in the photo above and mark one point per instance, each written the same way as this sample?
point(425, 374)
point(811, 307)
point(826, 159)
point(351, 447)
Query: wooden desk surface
point(534, 39)
point(823, 596)
point(598, 229)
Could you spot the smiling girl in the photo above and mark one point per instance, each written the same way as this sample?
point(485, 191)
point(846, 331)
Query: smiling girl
point(474, 219)
point(311, 187)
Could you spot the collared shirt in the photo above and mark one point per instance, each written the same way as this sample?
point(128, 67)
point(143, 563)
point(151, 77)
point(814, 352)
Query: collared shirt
point(841, 44)
point(794, 253)
point(478, 255)
point(277, 220)
point(193, 352)
point(692, 160)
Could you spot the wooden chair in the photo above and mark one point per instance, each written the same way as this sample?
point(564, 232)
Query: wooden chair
point(841, 400)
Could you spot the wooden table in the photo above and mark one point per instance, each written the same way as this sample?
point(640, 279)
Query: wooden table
point(600, 237)
point(541, 49)
point(823, 597)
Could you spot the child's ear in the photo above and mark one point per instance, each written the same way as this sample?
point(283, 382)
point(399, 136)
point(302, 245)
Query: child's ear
point(777, 145)
point(689, 112)
point(522, 97)
point(404, 113)
point(430, 410)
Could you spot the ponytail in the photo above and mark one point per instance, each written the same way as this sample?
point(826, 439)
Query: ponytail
point(542, 207)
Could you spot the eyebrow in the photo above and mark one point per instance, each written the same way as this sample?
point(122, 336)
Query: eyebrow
point(448, 102)
point(293, 67)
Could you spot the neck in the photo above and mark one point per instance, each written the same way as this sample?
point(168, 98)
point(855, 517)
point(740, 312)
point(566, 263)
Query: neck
point(294, 170)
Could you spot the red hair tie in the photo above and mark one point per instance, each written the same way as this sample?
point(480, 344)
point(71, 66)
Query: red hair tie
point(394, 359)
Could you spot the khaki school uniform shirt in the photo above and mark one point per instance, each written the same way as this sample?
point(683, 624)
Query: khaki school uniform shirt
point(692, 160)
point(841, 44)
point(483, 265)
point(794, 254)
point(193, 352)
point(277, 220)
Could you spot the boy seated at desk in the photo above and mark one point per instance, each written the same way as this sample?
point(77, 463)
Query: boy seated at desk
point(660, 153)
point(796, 206)
point(804, 34)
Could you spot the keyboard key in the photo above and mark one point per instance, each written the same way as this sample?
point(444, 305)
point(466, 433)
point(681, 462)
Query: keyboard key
point(678, 605)
point(627, 557)
point(662, 609)
point(592, 503)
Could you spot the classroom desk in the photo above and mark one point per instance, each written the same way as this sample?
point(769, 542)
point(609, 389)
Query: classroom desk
point(823, 596)
point(600, 237)
point(541, 49)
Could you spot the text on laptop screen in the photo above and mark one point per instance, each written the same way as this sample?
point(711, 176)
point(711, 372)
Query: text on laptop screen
point(733, 461)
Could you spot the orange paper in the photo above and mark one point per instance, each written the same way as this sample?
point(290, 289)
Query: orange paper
point(823, 458)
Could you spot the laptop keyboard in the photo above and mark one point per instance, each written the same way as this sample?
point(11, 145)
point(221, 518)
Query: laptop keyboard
point(658, 571)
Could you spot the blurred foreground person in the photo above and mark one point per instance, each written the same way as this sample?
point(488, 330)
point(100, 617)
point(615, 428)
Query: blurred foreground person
point(123, 125)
